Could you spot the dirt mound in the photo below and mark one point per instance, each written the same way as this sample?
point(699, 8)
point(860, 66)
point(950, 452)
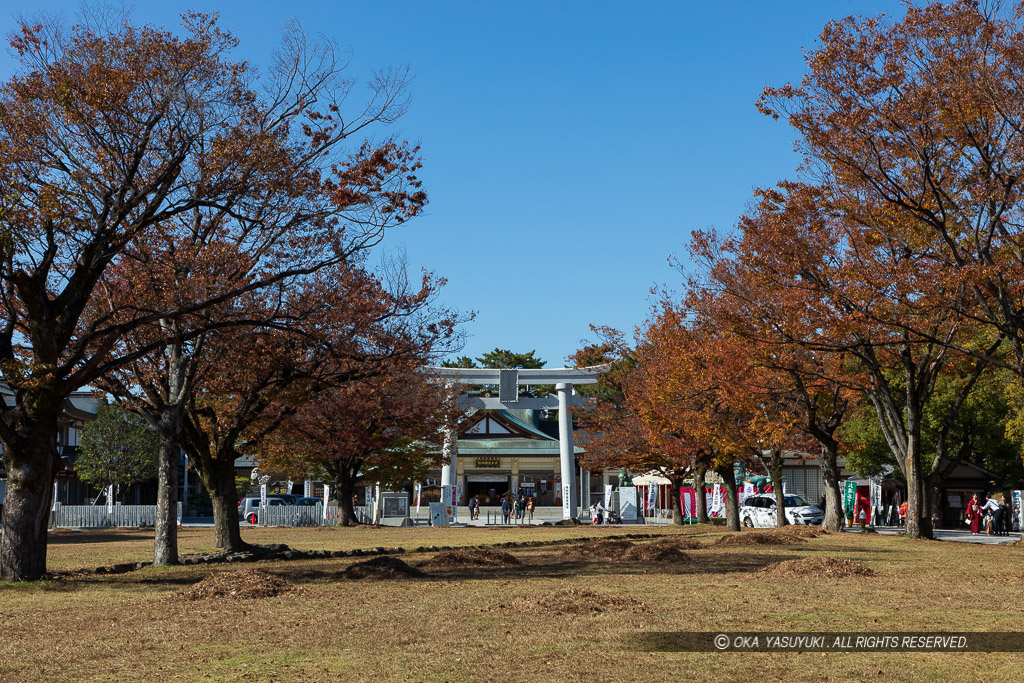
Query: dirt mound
point(799, 530)
point(681, 542)
point(381, 568)
point(471, 558)
point(248, 583)
point(608, 549)
point(661, 550)
point(832, 567)
point(763, 537)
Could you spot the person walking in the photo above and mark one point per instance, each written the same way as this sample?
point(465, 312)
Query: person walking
point(474, 508)
point(974, 514)
point(518, 508)
point(903, 513)
point(530, 506)
point(504, 510)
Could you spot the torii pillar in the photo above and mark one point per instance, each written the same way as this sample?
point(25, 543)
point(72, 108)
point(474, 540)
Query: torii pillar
point(566, 451)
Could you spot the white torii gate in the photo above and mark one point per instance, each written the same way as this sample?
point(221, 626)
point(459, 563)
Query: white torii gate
point(508, 382)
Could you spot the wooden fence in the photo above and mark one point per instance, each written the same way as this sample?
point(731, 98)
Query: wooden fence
point(98, 516)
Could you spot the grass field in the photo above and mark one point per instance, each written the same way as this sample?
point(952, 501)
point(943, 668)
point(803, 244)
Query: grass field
point(555, 615)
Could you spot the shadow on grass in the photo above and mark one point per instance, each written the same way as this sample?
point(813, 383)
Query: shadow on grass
point(93, 536)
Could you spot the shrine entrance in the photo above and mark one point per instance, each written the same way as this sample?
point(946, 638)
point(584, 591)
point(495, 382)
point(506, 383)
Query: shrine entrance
point(508, 382)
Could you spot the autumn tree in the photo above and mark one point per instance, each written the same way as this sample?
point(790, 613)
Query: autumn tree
point(616, 435)
point(307, 196)
point(102, 135)
point(347, 325)
point(384, 428)
point(911, 129)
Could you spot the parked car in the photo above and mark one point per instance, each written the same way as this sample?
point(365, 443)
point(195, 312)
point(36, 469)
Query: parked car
point(759, 511)
point(249, 507)
point(308, 501)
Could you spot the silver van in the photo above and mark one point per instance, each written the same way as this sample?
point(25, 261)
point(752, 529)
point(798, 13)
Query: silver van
point(249, 507)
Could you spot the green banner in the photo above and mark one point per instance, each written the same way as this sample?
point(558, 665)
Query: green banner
point(849, 497)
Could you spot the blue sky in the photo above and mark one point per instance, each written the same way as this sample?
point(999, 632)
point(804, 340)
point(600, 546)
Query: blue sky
point(569, 147)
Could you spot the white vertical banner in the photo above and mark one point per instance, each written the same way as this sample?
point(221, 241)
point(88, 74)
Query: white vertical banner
point(875, 495)
point(110, 499)
point(716, 500)
point(687, 506)
point(290, 484)
point(607, 495)
point(784, 488)
point(307, 488)
point(652, 496)
point(327, 498)
point(418, 491)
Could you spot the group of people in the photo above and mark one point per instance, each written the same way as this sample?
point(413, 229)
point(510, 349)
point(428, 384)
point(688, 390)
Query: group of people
point(599, 514)
point(520, 506)
point(991, 517)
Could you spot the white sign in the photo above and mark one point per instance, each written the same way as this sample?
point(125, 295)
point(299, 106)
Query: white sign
point(307, 488)
point(607, 495)
point(652, 496)
point(327, 498)
point(418, 489)
point(716, 500)
point(438, 516)
point(448, 502)
point(687, 506)
point(627, 503)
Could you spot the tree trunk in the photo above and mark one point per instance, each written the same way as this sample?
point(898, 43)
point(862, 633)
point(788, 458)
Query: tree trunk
point(218, 475)
point(675, 502)
point(933, 485)
point(344, 489)
point(775, 471)
point(165, 540)
point(833, 496)
point(220, 484)
point(31, 463)
point(732, 508)
point(699, 474)
point(919, 525)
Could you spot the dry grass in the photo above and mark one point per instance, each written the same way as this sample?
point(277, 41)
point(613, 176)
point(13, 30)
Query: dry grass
point(550, 617)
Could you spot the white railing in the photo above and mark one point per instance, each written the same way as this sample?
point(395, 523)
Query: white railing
point(93, 516)
point(305, 515)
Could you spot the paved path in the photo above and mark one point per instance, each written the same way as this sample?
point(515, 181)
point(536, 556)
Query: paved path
point(958, 536)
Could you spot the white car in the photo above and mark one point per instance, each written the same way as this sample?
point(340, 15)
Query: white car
point(759, 511)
